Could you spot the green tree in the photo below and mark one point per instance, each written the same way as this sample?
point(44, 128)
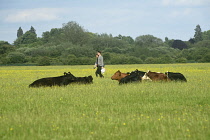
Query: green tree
point(181, 60)
point(5, 47)
point(26, 38)
point(46, 36)
point(127, 39)
point(206, 35)
point(151, 60)
point(16, 57)
point(148, 41)
point(74, 33)
point(198, 34)
point(206, 57)
point(19, 32)
point(32, 30)
point(43, 61)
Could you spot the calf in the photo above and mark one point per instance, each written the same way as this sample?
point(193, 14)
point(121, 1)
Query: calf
point(134, 76)
point(176, 76)
point(118, 75)
point(84, 80)
point(63, 80)
point(155, 76)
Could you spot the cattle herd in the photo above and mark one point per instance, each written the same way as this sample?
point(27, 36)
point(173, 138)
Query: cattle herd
point(138, 76)
point(123, 78)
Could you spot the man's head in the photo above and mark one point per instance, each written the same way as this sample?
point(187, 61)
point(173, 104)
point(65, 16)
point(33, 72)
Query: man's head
point(99, 52)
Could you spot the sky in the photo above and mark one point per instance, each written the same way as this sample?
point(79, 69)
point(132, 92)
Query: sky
point(175, 19)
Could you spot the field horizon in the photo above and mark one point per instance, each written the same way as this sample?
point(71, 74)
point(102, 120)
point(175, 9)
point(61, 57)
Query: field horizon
point(105, 109)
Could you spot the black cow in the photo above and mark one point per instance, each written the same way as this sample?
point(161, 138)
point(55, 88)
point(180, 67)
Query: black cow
point(140, 73)
point(84, 80)
point(134, 76)
point(176, 76)
point(63, 80)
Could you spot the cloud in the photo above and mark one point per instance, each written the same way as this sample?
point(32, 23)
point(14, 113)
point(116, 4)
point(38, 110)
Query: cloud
point(185, 2)
point(33, 15)
point(182, 13)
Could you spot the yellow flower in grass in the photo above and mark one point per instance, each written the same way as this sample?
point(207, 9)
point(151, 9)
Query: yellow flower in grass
point(91, 133)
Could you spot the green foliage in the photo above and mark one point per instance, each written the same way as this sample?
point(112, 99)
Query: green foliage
point(198, 34)
point(206, 57)
point(5, 47)
point(74, 45)
point(151, 60)
point(181, 60)
point(206, 35)
point(32, 30)
point(73, 32)
point(26, 38)
point(148, 41)
point(43, 61)
point(16, 57)
point(19, 32)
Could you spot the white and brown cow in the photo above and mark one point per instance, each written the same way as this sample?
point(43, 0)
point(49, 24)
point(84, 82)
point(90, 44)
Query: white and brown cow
point(155, 76)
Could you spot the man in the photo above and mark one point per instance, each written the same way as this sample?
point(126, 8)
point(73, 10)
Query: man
point(100, 64)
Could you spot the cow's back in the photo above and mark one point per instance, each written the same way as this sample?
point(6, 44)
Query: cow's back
point(176, 76)
point(155, 76)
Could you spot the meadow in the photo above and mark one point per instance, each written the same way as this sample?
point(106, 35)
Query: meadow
point(105, 109)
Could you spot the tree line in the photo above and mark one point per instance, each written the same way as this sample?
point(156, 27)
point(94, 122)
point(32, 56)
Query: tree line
point(73, 45)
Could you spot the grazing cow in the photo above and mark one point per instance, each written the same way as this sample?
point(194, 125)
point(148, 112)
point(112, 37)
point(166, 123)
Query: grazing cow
point(176, 76)
point(118, 75)
point(84, 80)
point(64, 80)
point(134, 76)
point(155, 76)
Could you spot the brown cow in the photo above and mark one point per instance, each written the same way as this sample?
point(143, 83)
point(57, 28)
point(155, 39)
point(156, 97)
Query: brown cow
point(118, 75)
point(155, 76)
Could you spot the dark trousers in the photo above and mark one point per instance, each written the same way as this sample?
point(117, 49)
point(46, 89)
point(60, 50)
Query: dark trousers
point(98, 71)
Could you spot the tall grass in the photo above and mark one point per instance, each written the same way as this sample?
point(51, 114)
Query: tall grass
point(104, 109)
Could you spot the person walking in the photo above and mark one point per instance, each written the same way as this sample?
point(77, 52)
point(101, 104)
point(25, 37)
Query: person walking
point(100, 64)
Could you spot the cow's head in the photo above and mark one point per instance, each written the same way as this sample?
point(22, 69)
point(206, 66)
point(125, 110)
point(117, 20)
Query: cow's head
point(90, 78)
point(69, 75)
point(166, 73)
point(116, 75)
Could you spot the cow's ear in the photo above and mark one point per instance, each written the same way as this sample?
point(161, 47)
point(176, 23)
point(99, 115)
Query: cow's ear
point(64, 73)
point(119, 73)
point(69, 72)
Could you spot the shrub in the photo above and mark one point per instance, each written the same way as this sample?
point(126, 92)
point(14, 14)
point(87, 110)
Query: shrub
point(43, 61)
point(16, 57)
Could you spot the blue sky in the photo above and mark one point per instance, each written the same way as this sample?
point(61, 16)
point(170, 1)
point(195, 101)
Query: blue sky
point(175, 19)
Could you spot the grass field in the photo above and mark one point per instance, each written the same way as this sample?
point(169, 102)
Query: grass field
point(104, 109)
